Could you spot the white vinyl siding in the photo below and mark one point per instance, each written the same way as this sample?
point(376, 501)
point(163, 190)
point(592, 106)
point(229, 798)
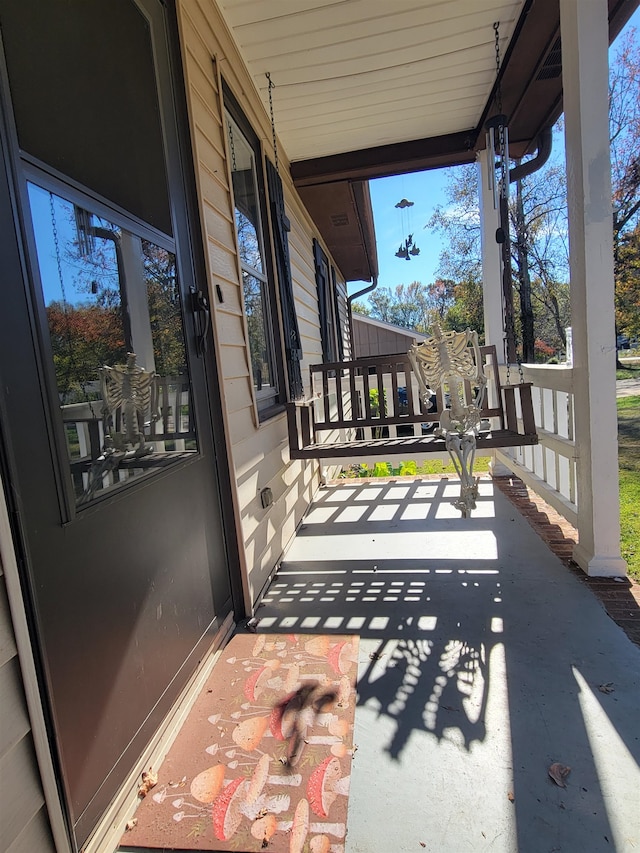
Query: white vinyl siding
point(23, 817)
point(259, 452)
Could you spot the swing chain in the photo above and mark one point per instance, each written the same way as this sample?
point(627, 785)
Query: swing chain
point(504, 166)
point(272, 85)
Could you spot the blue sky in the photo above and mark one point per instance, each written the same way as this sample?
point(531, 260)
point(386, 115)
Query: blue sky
point(426, 190)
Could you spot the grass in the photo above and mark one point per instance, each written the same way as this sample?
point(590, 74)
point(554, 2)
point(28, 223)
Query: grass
point(628, 461)
point(628, 372)
point(409, 468)
point(629, 464)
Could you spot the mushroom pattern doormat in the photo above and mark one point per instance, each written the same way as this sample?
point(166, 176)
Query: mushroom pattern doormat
point(263, 760)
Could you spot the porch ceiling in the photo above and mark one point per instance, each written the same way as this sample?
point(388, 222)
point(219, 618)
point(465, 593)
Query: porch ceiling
point(368, 88)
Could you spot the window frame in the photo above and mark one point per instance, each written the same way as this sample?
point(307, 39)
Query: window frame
point(267, 402)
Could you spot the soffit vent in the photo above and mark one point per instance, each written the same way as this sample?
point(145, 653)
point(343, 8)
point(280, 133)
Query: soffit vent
point(338, 220)
point(552, 65)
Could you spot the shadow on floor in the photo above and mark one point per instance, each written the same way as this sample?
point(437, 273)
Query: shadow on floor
point(483, 661)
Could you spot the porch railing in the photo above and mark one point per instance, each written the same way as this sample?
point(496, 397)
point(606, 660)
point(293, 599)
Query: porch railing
point(550, 467)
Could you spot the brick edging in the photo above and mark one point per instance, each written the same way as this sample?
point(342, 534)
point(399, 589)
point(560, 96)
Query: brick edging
point(620, 598)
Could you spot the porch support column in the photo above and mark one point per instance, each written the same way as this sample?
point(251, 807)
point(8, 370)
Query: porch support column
point(491, 277)
point(491, 258)
point(584, 30)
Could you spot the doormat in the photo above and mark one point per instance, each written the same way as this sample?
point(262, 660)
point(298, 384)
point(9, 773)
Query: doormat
point(263, 760)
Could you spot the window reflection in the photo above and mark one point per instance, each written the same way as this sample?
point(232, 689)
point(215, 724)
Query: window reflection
point(115, 325)
point(256, 288)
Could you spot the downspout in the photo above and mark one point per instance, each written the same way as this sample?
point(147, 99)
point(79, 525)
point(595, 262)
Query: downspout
point(522, 170)
point(350, 300)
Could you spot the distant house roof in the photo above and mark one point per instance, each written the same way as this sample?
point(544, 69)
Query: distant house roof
point(375, 337)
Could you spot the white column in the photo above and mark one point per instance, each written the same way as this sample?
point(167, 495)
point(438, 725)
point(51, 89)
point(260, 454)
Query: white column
point(491, 258)
point(585, 43)
point(133, 268)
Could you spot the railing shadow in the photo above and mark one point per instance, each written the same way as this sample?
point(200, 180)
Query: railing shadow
point(473, 634)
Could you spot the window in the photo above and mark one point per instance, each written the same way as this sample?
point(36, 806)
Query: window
point(257, 279)
point(342, 316)
point(326, 306)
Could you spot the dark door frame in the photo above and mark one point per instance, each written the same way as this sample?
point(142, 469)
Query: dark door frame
point(182, 181)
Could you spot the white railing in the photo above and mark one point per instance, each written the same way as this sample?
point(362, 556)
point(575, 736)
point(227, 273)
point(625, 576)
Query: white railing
point(550, 467)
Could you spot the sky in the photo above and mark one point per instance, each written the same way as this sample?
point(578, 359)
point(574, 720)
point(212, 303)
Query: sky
point(426, 190)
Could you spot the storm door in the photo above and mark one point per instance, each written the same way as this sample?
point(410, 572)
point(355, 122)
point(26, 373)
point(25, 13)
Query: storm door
point(107, 391)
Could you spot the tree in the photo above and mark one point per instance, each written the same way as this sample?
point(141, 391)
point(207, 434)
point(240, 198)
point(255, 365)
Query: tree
point(467, 311)
point(628, 283)
point(83, 339)
point(406, 305)
point(538, 225)
point(624, 123)
point(539, 257)
point(459, 221)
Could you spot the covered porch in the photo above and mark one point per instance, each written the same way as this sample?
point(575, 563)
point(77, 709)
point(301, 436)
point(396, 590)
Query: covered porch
point(392, 104)
point(483, 661)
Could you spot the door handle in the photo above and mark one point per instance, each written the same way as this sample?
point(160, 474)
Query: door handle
point(202, 319)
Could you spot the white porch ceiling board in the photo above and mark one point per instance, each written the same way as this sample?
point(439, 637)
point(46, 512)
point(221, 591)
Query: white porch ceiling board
point(395, 108)
point(352, 74)
point(379, 31)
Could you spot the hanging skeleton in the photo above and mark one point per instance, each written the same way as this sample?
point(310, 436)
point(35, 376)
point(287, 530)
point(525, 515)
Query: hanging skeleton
point(448, 360)
point(129, 393)
point(130, 397)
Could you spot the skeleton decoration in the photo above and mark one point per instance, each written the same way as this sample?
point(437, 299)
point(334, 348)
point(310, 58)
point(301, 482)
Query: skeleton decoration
point(130, 393)
point(130, 396)
point(448, 360)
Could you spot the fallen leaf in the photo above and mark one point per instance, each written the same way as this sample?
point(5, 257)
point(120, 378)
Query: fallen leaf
point(559, 773)
point(511, 797)
point(149, 781)
point(130, 824)
point(607, 687)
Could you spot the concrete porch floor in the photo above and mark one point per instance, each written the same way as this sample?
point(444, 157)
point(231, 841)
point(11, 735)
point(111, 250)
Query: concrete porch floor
point(483, 660)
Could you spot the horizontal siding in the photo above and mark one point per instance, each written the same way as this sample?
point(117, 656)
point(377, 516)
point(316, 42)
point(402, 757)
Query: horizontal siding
point(24, 825)
point(259, 452)
point(22, 799)
point(7, 640)
point(35, 837)
point(14, 720)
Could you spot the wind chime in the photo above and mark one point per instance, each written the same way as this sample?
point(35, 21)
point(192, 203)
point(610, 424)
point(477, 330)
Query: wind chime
point(408, 247)
point(497, 141)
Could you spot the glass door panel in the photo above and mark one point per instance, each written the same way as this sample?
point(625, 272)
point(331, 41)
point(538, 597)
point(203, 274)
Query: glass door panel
point(117, 339)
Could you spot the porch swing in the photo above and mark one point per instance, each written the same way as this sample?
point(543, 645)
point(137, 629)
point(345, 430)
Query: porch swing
point(372, 407)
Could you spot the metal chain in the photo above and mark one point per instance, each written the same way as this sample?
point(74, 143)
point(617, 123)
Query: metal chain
point(272, 85)
point(233, 148)
point(504, 195)
point(504, 166)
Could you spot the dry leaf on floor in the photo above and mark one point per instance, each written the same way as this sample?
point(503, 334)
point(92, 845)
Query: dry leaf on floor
point(130, 824)
point(607, 687)
point(149, 781)
point(559, 773)
point(511, 796)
